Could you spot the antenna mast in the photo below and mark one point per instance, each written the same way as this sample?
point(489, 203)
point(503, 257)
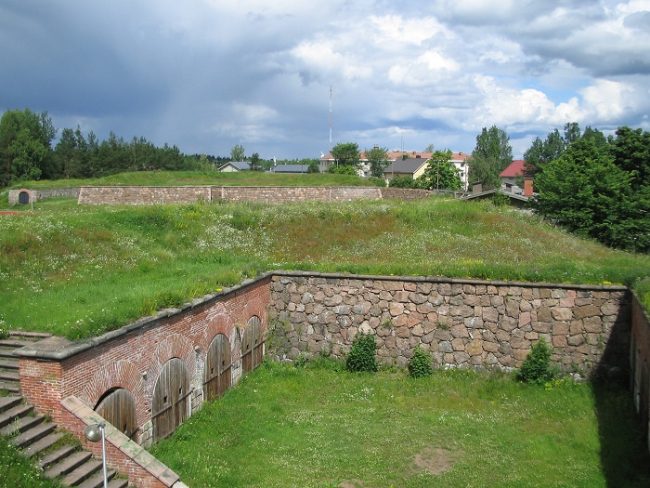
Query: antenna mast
point(330, 116)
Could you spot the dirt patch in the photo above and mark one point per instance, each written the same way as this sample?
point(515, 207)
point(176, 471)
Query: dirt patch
point(351, 484)
point(434, 460)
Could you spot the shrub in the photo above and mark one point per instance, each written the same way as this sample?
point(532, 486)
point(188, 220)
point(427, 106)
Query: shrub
point(362, 354)
point(420, 364)
point(537, 365)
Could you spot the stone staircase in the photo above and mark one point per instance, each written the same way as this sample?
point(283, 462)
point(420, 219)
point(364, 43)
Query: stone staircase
point(57, 454)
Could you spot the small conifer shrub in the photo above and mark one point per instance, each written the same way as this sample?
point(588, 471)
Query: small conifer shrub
point(537, 365)
point(362, 354)
point(420, 363)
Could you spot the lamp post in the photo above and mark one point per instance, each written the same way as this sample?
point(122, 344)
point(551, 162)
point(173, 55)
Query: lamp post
point(93, 433)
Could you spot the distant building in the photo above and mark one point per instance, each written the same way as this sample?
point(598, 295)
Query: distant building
point(291, 168)
point(459, 160)
point(235, 166)
point(415, 167)
point(513, 176)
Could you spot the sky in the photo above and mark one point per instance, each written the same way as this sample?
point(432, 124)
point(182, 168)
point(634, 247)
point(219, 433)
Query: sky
point(208, 74)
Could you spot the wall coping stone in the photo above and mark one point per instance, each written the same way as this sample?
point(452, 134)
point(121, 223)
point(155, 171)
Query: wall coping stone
point(235, 186)
point(62, 348)
point(133, 451)
point(443, 279)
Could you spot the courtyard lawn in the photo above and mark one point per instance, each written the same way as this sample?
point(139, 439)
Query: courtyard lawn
point(284, 426)
point(79, 271)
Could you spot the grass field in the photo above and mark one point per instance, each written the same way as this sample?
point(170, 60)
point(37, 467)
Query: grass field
point(16, 471)
point(188, 178)
point(318, 427)
point(78, 271)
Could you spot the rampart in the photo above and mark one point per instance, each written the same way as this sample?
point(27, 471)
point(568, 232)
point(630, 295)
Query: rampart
point(462, 323)
point(26, 196)
point(148, 195)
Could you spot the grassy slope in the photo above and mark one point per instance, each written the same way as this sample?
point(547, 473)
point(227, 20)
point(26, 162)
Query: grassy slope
point(79, 271)
point(183, 178)
point(318, 428)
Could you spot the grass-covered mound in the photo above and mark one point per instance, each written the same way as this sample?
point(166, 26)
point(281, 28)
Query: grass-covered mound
point(317, 427)
point(78, 271)
point(189, 178)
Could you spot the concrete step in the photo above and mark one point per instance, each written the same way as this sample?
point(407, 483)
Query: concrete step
point(34, 434)
point(97, 479)
point(10, 386)
point(21, 424)
point(9, 375)
point(19, 410)
point(83, 472)
point(118, 483)
point(56, 456)
point(28, 336)
point(14, 343)
point(42, 444)
point(9, 363)
point(67, 464)
point(8, 402)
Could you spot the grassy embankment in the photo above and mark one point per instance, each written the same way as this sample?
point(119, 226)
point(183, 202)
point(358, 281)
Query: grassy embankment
point(317, 427)
point(79, 271)
point(189, 178)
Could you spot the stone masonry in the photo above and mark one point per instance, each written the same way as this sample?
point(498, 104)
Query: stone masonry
point(149, 195)
point(461, 322)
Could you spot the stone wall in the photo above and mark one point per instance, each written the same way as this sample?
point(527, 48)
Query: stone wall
point(142, 195)
point(35, 195)
point(133, 356)
point(461, 322)
point(640, 365)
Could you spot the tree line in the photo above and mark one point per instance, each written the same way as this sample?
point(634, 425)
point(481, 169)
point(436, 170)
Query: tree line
point(27, 152)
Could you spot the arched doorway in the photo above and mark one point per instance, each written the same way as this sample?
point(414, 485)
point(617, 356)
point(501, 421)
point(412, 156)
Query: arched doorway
point(169, 402)
point(252, 345)
point(23, 198)
point(217, 367)
point(117, 406)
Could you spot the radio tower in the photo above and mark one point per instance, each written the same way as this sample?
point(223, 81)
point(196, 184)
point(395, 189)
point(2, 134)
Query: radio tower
point(330, 116)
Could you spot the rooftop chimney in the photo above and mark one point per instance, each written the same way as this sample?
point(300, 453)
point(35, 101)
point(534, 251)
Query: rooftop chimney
point(528, 187)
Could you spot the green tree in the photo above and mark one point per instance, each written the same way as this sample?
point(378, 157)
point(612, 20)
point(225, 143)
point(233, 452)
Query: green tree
point(378, 159)
point(313, 167)
point(490, 157)
point(440, 174)
point(237, 153)
point(256, 164)
point(25, 146)
point(346, 154)
point(631, 151)
point(584, 191)
point(571, 132)
point(541, 152)
point(401, 181)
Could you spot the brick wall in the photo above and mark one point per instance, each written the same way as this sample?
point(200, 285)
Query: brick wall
point(640, 365)
point(133, 356)
point(142, 195)
point(461, 322)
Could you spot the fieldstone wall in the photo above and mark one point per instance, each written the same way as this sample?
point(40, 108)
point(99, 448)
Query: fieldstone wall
point(461, 322)
point(35, 195)
point(143, 195)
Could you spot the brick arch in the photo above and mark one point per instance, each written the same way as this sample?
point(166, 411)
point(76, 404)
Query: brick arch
point(173, 346)
point(121, 374)
point(220, 323)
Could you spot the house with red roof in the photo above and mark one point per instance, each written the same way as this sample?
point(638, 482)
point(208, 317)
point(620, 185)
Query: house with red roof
point(514, 176)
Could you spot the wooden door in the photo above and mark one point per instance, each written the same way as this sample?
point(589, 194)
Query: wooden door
point(217, 367)
point(23, 198)
point(118, 408)
point(252, 345)
point(169, 403)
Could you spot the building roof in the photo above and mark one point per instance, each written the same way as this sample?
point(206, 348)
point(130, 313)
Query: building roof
point(515, 169)
point(239, 165)
point(291, 168)
point(397, 155)
point(405, 166)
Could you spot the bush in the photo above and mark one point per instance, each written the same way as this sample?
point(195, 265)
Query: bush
point(537, 365)
point(362, 354)
point(420, 364)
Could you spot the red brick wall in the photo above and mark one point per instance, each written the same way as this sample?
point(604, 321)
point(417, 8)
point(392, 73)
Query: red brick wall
point(133, 360)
